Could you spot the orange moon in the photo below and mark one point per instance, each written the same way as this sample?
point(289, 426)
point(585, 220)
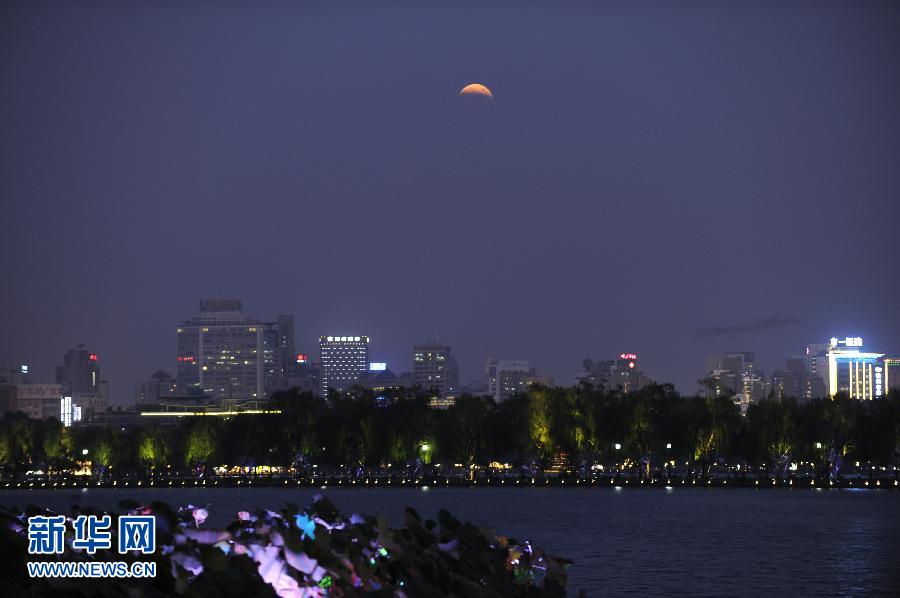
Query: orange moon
point(476, 89)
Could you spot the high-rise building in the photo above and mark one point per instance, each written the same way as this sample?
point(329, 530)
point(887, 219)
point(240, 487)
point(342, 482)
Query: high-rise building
point(620, 374)
point(280, 362)
point(796, 381)
point(303, 375)
point(79, 378)
point(854, 372)
point(160, 385)
point(435, 368)
point(735, 375)
point(225, 354)
point(891, 374)
point(507, 377)
point(342, 360)
point(273, 368)
point(286, 344)
point(817, 360)
point(80, 372)
point(625, 375)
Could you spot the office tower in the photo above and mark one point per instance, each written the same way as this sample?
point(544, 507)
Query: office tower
point(160, 385)
point(891, 374)
point(796, 381)
point(507, 377)
point(735, 375)
point(817, 359)
point(625, 375)
point(434, 368)
point(220, 352)
point(79, 378)
point(342, 360)
point(621, 374)
point(80, 372)
point(303, 375)
point(272, 362)
point(853, 372)
point(286, 344)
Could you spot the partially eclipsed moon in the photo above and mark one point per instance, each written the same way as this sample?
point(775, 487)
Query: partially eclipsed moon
point(476, 89)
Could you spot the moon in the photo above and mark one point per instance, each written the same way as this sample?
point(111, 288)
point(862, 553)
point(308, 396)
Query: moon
point(476, 89)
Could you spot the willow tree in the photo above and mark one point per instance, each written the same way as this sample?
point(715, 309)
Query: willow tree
point(200, 442)
point(539, 415)
point(153, 450)
point(56, 444)
point(18, 441)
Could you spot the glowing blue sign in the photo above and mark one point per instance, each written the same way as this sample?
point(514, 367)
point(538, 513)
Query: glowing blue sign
point(377, 366)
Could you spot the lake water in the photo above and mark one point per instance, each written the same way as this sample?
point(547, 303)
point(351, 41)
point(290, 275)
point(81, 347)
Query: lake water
point(698, 541)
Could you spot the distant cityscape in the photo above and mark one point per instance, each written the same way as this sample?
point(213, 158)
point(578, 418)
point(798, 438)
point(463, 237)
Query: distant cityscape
point(229, 362)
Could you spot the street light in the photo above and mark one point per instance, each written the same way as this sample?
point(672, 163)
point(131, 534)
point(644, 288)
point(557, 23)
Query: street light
point(618, 446)
point(818, 445)
point(668, 445)
point(84, 451)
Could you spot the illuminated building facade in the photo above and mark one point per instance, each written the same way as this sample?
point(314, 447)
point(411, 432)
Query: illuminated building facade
point(854, 372)
point(342, 361)
point(817, 360)
point(219, 352)
point(735, 375)
point(891, 374)
point(796, 381)
point(507, 377)
point(225, 354)
point(434, 367)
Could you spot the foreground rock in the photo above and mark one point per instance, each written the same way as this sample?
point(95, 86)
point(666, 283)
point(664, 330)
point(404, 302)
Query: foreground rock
point(314, 551)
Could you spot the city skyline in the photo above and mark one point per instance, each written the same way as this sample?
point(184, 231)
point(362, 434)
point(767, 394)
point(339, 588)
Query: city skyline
point(212, 310)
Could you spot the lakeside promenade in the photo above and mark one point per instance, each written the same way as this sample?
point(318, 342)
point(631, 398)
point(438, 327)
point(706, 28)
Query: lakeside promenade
point(876, 480)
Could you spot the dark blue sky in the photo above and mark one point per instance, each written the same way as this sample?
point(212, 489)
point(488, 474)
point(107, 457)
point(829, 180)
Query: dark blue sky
point(644, 170)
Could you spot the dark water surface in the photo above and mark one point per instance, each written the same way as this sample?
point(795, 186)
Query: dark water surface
point(693, 541)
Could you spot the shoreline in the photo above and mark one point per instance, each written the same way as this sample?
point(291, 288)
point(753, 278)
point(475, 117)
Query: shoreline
point(372, 482)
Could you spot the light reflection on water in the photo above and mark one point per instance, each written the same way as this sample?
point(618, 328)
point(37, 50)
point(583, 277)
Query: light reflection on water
point(690, 540)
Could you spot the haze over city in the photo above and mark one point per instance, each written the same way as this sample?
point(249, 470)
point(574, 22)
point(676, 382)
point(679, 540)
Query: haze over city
point(673, 184)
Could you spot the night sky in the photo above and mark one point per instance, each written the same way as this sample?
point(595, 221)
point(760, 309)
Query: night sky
point(674, 179)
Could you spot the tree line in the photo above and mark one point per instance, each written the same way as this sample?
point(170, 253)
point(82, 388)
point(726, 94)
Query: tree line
point(573, 426)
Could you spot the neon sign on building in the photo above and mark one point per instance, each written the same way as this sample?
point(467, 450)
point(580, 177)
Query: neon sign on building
point(850, 341)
